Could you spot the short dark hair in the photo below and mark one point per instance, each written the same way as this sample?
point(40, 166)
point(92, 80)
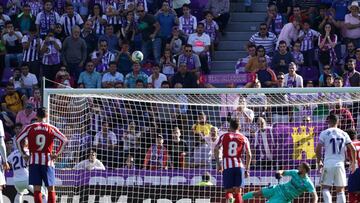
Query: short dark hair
point(186, 6)
point(263, 24)
point(251, 45)
point(201, 24)
point(41, 112)
point(112, 63)
point(338, 78)
point(188, 45)
point(139, 81)
point(206, 177)
point(306, 167)
point(8, 23)
point(282, 42)
point(234, 123)
point(18, 125)
point(332, 119)
point(352, 133)
point(165, 83)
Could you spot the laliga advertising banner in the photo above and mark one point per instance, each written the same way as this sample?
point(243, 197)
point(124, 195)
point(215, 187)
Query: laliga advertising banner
point(295, 143)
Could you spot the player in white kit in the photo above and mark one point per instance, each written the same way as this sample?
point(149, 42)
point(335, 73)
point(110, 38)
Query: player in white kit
point(3, 159)
point(21, 174)
point(335, 141)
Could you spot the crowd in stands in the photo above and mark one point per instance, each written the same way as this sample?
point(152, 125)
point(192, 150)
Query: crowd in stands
point(88, 44)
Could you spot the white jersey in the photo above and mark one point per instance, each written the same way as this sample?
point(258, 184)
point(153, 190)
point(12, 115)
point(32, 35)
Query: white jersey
point(19, 165)
point(334, 141)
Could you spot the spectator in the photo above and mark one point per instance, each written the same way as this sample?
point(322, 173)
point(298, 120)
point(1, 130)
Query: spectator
point(102, 57)
point(12, 41)
point(351, 77)
point(129, 26)
point(124, 59)
point(296, 10)
point(89, 78)
point(206, 178)
point(202, 127)
point(112, 40)
point(8, 120)
point(50, 48)
point(298, 56)
point(149, 28)
point(221, 10)
point(16, 79)
point(112, 77)
point(350, 52)
point(157, 156)
point(341, 9)
point(114, 12)
point(241, 64)
point(200, 42)
point(175, 42)
point(244, 115)
point(327, 42)
point(156, 78)
point(70, 19)
point(46, 19)
point(357, 67)
point(29, 80)
point(3, 17)
point(259, 99)
point(280, 114)
point(282, 58)
point(178, 149)
point(130, 140)
point(189, 58)
point(326, 71)
point(64, 79)
point(329, 81)
point(292, 79)
point(25, 116)
point(264, 38)
point(89, 36)
point(35, 98)
point(25, 20)
point(290, 32)
point(98, 20)
point(347, 121)
point(211, 141)
point(265, 75)
point(283, 6)
point(90, 164)
point(321, 18)
point(130, 4)
point(201, 155)
point(136, 74)
point(274, 20)
point(185, 78)
point(74, 52)
point(130, 162)
point(167, 20)
point(13, 100)
point(105, 139)
point(31, 45)
point(307, 37)
point(168, 64)
point(59, 32)
point(187, 22)
point(352, 23)
point(211, 29)
point(253, 65)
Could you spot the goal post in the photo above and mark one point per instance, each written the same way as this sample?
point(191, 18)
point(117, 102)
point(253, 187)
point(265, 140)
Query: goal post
point(156, 144)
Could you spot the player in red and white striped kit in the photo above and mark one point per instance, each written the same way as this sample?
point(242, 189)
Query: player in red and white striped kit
point(234, 146)
point(353, 181)
point(41, 136)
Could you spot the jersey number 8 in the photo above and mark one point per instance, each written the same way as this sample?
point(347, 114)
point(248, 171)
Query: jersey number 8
point(40, 141)
point(232, 149)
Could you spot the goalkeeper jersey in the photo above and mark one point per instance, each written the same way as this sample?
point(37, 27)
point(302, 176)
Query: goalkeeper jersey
point(296, 186)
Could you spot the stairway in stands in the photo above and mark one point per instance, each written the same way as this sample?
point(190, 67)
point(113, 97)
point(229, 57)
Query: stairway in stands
point(241, 26)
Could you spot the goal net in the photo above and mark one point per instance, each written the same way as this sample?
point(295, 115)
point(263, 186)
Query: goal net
point(157, 145)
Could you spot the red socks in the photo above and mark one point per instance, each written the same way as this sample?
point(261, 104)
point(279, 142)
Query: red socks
point(228, 195)
point(238, 198)
point(37, 197)
point(51, 197)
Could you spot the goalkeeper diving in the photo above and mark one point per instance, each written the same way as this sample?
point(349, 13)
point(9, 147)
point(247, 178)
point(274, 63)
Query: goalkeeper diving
point(287, 192)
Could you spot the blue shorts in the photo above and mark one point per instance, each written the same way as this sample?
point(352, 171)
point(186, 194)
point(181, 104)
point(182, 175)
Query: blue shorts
point(233, 177)
point(354, 181)
point(39, 174)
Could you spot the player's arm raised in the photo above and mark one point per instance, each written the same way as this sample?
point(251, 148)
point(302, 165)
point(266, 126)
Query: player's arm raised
point(248, 159)
point(352, 149)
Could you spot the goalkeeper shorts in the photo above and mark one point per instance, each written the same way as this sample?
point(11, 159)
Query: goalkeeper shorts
point(273, 195)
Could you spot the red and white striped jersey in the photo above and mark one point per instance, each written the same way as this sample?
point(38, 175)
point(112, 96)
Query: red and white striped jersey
point(234, 147)
point(41, 138)
point(357, 147)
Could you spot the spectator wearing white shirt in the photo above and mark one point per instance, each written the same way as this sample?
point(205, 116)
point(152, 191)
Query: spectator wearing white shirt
point(105, 139)
point(156, 79)
point(292, 79)
point(112, 77)
point(200, 42)
point(90, 164)
point(244, 115)
point(3, 17)
point(29, 80)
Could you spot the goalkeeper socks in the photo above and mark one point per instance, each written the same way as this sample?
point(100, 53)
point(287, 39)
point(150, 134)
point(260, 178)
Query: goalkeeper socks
point(228, 195)
point(326, 196)
point(37, 197)
point(238, 198)
point(51, 197)
point(248, 195)
point(340, 197)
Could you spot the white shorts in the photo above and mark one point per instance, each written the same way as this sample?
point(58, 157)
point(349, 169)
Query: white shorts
point(2, 178)
point(23, 187)
point(334, 176)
